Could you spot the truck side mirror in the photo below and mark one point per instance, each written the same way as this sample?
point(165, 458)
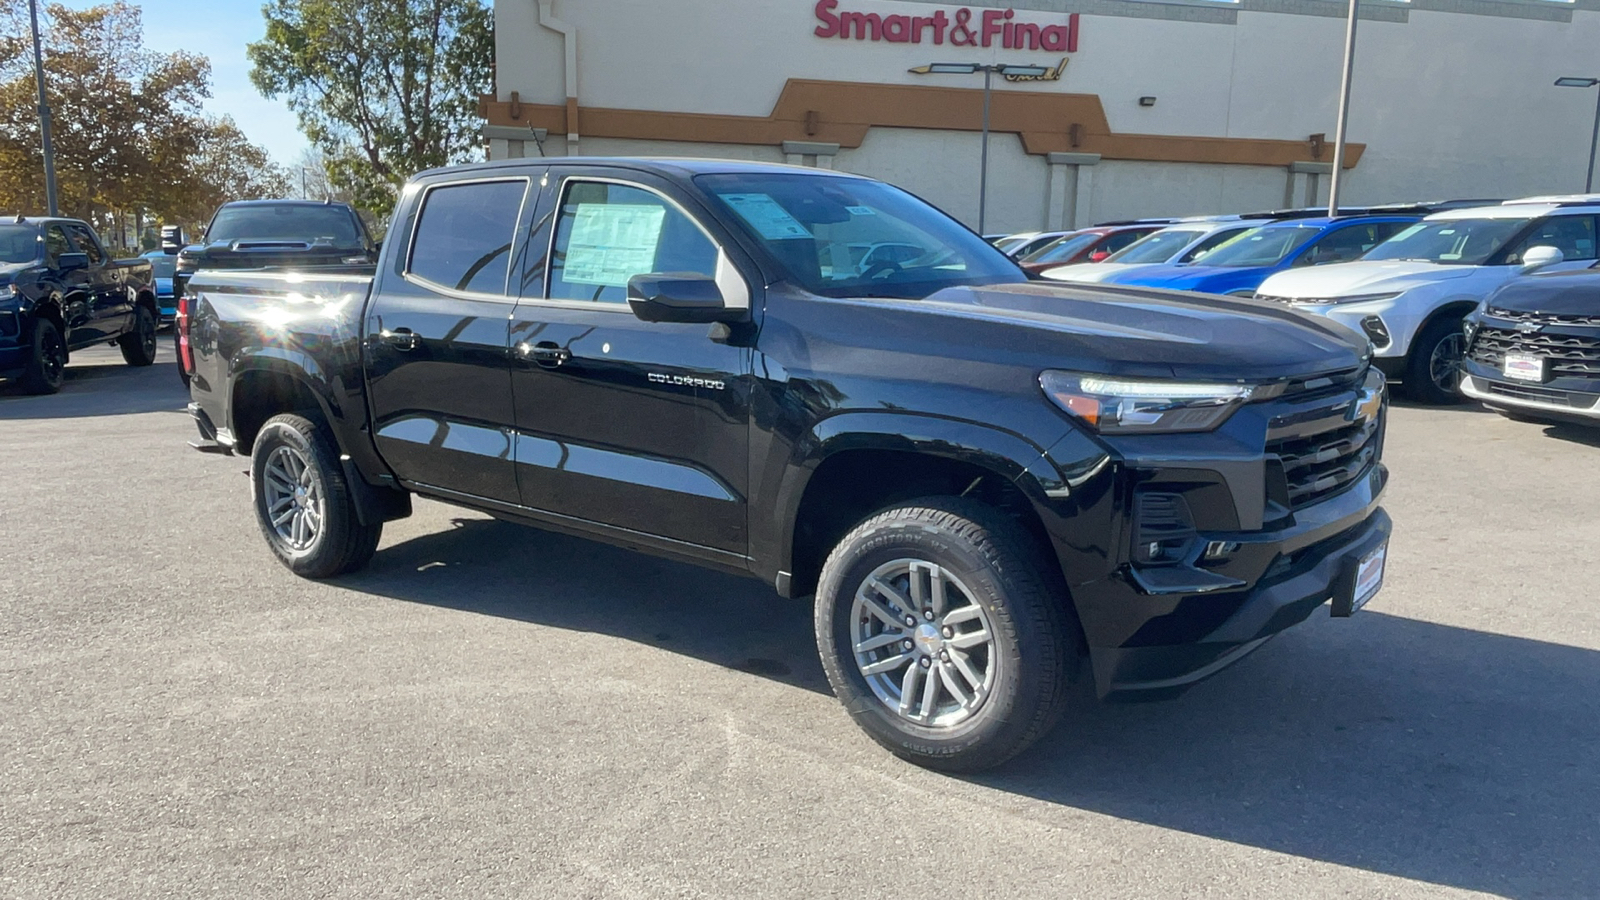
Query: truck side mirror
point(685, 297)
point(66, 262)
point(171, 239)
point(1540, 257)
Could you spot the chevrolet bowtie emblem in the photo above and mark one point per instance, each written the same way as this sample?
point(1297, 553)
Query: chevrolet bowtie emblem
point(1529, 327)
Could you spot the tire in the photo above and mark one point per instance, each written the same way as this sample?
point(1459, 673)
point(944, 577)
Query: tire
point(139, 345)
point(995, 584)
point(1429, 378)
point(295, 469)
point(47, 363)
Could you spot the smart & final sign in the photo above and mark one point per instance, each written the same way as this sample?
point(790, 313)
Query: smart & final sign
point(993, 28)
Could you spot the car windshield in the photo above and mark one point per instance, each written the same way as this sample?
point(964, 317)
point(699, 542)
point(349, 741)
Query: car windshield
point(162, 265)
point(1451, 242)
point(847, 237)
point(18, 244)
point(1156, 248)
point(1062, 249)
point(327, 225)
point(1265, 246)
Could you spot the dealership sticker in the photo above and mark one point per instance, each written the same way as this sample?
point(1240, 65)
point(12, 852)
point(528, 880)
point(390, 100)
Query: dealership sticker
point(766, 216)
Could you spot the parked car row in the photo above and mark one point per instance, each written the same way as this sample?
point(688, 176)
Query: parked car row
point(1404, 276)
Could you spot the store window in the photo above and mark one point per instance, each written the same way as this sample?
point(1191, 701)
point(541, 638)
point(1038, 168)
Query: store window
point(609, 233)
point(465, 234)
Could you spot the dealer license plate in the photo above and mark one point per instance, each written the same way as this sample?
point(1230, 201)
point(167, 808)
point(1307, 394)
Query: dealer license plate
point(1369, 576)
point(1524, 367)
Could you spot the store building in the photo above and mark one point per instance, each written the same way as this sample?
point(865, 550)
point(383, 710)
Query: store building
point(1147, 107)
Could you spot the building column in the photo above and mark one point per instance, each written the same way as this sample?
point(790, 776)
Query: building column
point(810, 153)
point(1071, 188)
point(1305, 180)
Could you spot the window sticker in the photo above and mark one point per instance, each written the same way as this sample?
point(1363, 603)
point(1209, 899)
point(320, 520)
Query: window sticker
point(612, 242)
point(766, 216)
point(861, 210)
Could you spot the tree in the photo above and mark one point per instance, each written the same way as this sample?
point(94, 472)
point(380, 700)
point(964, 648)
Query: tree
point(383, 89)
point(129, 132)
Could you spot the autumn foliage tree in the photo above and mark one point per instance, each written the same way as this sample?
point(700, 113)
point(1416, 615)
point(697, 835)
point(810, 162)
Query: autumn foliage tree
point(129, 133)
point(383, 89)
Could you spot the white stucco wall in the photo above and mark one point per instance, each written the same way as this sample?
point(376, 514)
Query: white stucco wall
point(1449, 104)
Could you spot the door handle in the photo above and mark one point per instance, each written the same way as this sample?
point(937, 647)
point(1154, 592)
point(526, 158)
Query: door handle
point(545, 353)
point(401, 339)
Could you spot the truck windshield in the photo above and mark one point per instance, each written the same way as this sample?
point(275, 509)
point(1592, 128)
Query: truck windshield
point(1450, 242)
point(328, 225)
point(1158, 247)
point(1259, 247)
point(848, 237)
point(18, 244)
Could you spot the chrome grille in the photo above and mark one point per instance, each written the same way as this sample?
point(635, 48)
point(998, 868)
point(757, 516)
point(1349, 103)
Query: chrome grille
point(1568, 355)
point(1544, 318)
point(1321, 464)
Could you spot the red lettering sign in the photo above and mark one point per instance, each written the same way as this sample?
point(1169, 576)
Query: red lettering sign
point(993, 28)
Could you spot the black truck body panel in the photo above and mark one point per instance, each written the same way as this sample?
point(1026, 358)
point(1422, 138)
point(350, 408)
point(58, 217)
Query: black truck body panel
point(701, 443)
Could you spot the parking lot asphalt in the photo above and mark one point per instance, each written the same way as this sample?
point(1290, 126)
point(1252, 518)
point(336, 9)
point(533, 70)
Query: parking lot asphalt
point(491, 711)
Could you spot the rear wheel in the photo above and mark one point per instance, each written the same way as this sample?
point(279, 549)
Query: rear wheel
point(47, 364)
point(139, 345)
point(940, 634)
point(303, 503)
point(1433, 371)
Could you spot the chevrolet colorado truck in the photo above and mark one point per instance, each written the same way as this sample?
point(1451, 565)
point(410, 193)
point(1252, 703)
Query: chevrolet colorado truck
point(61, 291)
point(989, 485)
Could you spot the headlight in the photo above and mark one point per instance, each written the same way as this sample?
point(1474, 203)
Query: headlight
point(1125, 406)
point(1358, 298)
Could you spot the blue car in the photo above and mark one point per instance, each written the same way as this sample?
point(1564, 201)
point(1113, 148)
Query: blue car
point(162, 266)
point(1239, 266)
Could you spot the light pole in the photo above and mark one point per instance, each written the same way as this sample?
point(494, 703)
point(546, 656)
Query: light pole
point(989, 70)
point(1344, 109)
point(44, 115)
point(1588, 179)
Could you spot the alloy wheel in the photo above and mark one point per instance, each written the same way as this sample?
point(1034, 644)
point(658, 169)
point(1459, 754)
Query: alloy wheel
point(924, 646)
point(53, 356)
point(294, 498)
point(1444, 364)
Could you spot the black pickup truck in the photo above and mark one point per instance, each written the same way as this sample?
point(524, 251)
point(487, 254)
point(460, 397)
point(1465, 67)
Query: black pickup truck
point(990, 485)
point(259, 234)
point(60, 291)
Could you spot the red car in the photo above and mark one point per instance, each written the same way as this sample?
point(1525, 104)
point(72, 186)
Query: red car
point(1090, 245)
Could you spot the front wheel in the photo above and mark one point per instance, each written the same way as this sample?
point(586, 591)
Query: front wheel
point(47, 362)
point(303, 503)
point(1433, 371)
point(940, 634)
point(139, 345)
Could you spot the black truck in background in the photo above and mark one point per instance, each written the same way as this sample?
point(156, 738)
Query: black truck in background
point(61, 291)
point(989, 485)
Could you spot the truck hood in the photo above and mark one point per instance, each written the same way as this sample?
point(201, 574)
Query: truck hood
point(1154, 334)
point(1354, 279)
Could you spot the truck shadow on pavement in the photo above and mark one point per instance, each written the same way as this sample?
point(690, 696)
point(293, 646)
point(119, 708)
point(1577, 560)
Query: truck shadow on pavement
point(1424, 751)
point(506, 570)
point(88, 391)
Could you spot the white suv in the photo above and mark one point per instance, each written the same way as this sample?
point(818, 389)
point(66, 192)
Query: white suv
point(1409, 294)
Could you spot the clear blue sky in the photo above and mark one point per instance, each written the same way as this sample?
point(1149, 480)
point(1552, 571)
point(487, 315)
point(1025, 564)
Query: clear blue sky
point(220, 29)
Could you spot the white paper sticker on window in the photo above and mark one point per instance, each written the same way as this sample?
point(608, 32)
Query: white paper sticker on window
point(766, 216)
point(612, 242)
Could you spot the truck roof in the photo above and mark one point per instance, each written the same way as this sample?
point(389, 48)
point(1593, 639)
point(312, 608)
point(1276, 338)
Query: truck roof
point(287, 201)
point(12, 219)
point(673, 166)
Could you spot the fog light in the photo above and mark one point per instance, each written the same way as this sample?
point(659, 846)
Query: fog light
point(1220, 549)
point(1376, 332)
point(1163, 528)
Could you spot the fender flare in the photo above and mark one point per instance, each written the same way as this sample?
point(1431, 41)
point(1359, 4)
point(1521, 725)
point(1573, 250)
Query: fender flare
point(1018, 459)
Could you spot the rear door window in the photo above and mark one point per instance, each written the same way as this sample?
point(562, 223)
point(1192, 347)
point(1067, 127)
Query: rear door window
point(86, 244)
point(465, 234)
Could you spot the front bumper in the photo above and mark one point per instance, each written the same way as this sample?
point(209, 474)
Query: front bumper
point(1580, 402)
point(1259, 545)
